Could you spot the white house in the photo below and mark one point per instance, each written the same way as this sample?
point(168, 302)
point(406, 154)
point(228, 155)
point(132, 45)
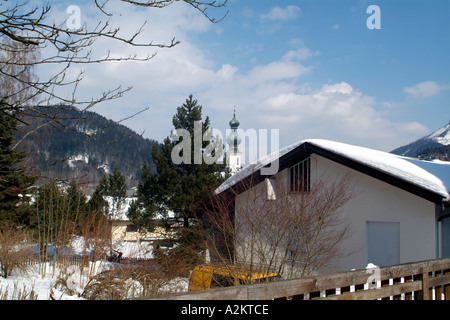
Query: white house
point(400, 211)
point(123, 230)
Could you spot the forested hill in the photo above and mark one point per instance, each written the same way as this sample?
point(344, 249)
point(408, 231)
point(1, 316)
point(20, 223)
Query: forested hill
point(433, 146)
point(83, 145)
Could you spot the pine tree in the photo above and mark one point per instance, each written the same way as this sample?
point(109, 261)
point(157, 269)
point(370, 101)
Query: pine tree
point(97, 203)
point(117, 188)
point(142, 211)
point(14, 180)
point(113, 186)
point(103, 185)
point(181, 188)
point(77, 204)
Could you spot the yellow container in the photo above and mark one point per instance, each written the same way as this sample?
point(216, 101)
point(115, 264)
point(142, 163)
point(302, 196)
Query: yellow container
point(211, 276)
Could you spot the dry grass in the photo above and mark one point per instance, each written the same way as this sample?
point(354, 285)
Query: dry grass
point(14, 246)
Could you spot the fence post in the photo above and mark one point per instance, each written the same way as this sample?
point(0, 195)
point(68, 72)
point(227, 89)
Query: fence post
point(424, 294)
point(447, 287)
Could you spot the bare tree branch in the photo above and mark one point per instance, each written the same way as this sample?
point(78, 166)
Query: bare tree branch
point(294, 235)
point(26, 33)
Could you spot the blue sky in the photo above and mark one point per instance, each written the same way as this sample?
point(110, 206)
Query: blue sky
point(311, 68)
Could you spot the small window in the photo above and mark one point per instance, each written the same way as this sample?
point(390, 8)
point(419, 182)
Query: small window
point(131, 228)
point(299, 177)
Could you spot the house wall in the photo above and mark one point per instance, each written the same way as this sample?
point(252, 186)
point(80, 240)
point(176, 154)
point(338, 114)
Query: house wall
point(119, 232)
point(445, 239)
point(373, 201)
point(381, 202)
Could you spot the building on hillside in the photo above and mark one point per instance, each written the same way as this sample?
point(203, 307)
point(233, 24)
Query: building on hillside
point(400, 210)
point(123, 229)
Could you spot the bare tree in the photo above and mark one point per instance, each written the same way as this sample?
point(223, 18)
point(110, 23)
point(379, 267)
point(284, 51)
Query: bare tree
point(29, 39)
point(15, 245)
point(16, 70)
point(268, 228)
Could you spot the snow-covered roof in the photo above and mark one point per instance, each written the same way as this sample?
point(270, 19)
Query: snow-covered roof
point(438, 168)
point(254, 167)
point(432, 176)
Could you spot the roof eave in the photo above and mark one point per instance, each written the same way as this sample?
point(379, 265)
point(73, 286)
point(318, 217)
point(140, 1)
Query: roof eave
point(378, 174)
point(306, 149)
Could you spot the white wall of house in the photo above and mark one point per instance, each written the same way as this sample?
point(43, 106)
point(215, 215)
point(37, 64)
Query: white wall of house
point(120, 232)
point(375, 201)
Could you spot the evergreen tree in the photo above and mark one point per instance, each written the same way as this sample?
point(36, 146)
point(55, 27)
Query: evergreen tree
point(117, 188)
point(183, 187)
point(77, 205)
point(14, 181)
point(113, 186)
point(97, 203)
point(180, 187)
point(142, 211)
point(103, 185)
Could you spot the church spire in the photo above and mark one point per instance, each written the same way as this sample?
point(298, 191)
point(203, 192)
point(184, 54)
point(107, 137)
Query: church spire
point(233, 140)
point(234, 123)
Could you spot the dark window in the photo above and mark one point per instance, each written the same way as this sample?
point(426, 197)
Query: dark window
point(131, 228)
point(299, 177)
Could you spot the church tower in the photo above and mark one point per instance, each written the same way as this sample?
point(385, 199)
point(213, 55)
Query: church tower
point(233, 154)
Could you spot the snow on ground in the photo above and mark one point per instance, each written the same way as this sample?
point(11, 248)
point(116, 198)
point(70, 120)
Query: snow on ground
point(42, 282)
point(129, 249)
point(43, 279)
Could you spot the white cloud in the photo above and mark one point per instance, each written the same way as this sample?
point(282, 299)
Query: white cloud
point(277, 71)
point(283, 14)
point(337, 112)
point(302, 53)
point(267, 96)
point(227, 71)
point(425, 89)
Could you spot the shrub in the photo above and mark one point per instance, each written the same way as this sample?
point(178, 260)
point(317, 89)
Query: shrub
point(14, 247)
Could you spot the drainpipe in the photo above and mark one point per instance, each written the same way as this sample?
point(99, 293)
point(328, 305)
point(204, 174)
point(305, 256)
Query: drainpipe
point(439, 212)
point(440, 216)
point(439, 235)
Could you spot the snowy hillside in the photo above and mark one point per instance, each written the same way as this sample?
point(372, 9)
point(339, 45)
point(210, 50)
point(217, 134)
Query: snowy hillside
point(441, 136)
point(85, 148)
point(434, 146)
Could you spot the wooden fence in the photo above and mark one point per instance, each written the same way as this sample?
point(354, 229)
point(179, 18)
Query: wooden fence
point(78, 260)
point(426, 280)
point(34, 259)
